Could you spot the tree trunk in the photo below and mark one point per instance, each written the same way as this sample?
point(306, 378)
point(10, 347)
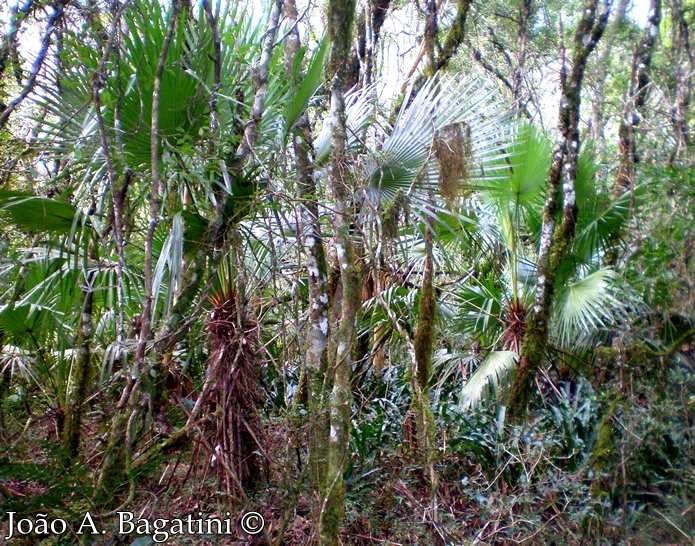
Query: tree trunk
point(79, 377)
point(340, 18)
point(423, 344)
point(525, 12)
point(556, 241)
point(114, 465)
point(634, 102)
point(369, 22)
point(603, 66)
point(315, 363)
point(683, 55)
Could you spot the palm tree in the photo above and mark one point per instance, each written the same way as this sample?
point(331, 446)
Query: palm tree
point(491, 307)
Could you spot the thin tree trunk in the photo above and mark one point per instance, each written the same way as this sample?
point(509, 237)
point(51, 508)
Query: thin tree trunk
point(315, 362)
point(603, 65)
point(439, 57)
point(8, 48)
point(684, 79)
point(261, 77)
point(634, 102)
point(561, 177)
point(79, 376)
point(51, 25)
point(525, 11)
point(155, 204)
point(369, 22)
point(117, 456)
point(340, 18)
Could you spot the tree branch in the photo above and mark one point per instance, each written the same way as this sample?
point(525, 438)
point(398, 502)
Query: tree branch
point(53, 20)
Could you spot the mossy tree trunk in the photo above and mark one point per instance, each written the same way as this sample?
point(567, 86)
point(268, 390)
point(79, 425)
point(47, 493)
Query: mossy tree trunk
point(340, 19)
point(556, 240)
point(315, 362)
point(423, 343)
point(635, 98)
point(79, 376)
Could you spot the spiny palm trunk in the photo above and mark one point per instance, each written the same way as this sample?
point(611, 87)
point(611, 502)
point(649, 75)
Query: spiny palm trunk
point(555, 242)
point(340, 17)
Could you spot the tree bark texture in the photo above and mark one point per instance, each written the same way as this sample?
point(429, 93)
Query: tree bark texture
point(315, 362)
point(79, 375)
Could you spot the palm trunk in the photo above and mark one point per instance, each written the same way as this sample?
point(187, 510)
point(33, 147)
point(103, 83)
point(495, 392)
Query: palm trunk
point(202, 270)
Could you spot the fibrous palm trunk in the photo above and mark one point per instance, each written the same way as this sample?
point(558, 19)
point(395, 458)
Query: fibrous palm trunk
point(237, 440)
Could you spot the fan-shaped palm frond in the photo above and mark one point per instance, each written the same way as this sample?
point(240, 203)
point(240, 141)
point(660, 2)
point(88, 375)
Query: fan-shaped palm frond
point(480, 303)
point(491, 372)
point(587, 305)
point(38, 214)
point(601, 219)
point(375, 319)
point(16, 361)
point(522, 184)
point(70, 124)
point(407, 162)
point(359, 111)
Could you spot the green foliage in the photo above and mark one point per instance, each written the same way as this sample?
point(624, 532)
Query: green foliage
point(496, 366)
point(303, 91)
point(38, 214)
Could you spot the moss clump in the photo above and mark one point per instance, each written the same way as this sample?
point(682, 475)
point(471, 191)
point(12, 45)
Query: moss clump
point(602, 453)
